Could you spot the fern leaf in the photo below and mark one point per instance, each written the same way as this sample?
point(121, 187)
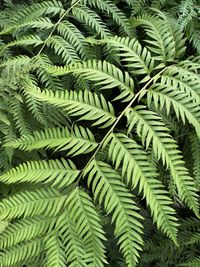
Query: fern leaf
point(136, 58)
point(30, 203)
point(112, 11)
point(104, 74)
point(110, 191)
point(82, 210)
point(78, 141)
point(183, 105)
point(73, 244)
point(59, 173)
point(152, 130)
point(192, 263)
point(72, 35)
point(138, 171)
point(63, 49)
point(20, 253)
point(86, 105)
point(55, 252)
point(162, 42)
point(26, 229)
point(195, 145)
point(87, 16)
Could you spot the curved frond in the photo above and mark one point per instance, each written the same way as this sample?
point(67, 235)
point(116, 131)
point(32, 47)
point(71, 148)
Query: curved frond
point(88, 106)
point(82, 211)
point(78, 141)
point(110, 191)
point(139, 172)
point(104, 74)
point(29, 203)
point(58, 173)
point(152, 130)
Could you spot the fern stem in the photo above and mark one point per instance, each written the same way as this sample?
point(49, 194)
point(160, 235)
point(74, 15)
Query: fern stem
point(100, 145)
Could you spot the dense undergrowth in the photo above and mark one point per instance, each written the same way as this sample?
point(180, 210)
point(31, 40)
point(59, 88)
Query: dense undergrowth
point(99, 131)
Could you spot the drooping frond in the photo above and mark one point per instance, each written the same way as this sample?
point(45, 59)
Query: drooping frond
point(79, 140)
point(29, 203)
point(55, 252)
point(152, 130)
point(104, 74)
point(139, 172)
point(112, 11)
point(183, 105)
point(25, 229)
point(161, 40)
point(195, 146)
point(20, 253)
point(82, 211)
point(57, 173)
point(118, 201)
point(89, 17)
point(73, 243)
point(134, 56)
point(86, 105)
point(192, 263)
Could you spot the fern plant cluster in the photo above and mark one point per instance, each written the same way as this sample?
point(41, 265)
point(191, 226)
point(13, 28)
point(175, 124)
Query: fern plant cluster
point(99, 131)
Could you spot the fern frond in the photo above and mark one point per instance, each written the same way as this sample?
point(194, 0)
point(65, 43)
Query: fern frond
point(55, 252)
point(29, 203)
point(152, 130)
point(136, 57)
point(138, 171)
point(161, 40)
point(187, 12)
point(86, 105)
point(104, 74)
point(72, 35)
point(82, 211)
point(184, 106)
point(78, 141)
point(195, 146)
point(57, 173)
point(192, 263)
point(112, 11)
point(20, 253)
point(26, 229)
point(89, 17)
point(73, 244)
point(62, 48)
point(110, 191)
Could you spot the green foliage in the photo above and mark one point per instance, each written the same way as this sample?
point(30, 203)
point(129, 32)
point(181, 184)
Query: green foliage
point(99, 133)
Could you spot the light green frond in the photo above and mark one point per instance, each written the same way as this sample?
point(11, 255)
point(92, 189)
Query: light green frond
point(90, 18)
point(112, 11)
point(57, 173)
point(62, 48)
point(72, 241)
point(55, 252)
point(83, 213)
point(103, 73)
point(152, 130)
point(72, 35)
point(79, 140)
point(87, 105)
point(20, 253)
point(183, 105)
point(110, 191)
point(25, 229)
point(139, 172)
point(29, 203)
point(136, 57)
point(161, 40)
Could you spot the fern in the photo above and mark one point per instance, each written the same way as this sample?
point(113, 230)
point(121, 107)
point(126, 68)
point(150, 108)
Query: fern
point(99, 133)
